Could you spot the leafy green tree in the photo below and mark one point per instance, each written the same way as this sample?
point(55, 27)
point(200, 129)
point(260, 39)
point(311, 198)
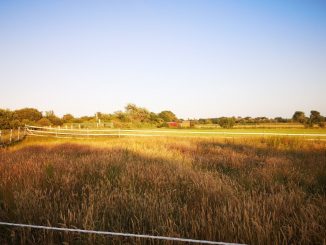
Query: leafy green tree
point(168, 116)
point(121, 116)
point(68, 118)
point(154, 118)
point(226, 122)
point(53, 118)
point(137, 113)
point(315, 117)
point(6, 116)
point(299, 116)
point(30, 114)
point(44, 122)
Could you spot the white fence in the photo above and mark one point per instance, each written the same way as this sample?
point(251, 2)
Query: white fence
point(86, 133)
point(119, 234)
point(11, 136)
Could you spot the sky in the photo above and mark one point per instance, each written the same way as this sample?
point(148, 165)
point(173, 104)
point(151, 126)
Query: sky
point(197, 58)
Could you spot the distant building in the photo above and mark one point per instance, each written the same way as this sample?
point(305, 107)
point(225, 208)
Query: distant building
point(172, 124)
point(185, 124)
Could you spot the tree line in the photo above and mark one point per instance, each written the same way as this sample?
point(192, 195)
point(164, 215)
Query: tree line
point(315, 119)
point(131, 116)
point(135, 116)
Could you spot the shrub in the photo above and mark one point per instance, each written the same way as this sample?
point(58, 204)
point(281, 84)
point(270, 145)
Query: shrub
point(226, 122)
point(44, 122)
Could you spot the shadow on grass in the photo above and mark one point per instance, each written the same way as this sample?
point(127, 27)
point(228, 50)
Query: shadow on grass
point(102, 189)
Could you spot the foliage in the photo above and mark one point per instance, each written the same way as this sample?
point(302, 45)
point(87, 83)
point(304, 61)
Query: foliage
point(137, 117)
point(44, 122)
point(137, 114)
point(68, 118)
point(315, 117)
point(299, 116)
point(226, 122)
point(53, 118)
point(6, 116)
point(30, 114)
point(168, 116)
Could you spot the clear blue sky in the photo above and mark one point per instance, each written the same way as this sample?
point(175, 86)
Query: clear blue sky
point(197, 58)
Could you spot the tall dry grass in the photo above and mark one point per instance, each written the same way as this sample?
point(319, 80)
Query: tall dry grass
point(256, 191)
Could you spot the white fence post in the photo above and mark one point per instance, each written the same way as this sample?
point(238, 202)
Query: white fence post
point(10, 135)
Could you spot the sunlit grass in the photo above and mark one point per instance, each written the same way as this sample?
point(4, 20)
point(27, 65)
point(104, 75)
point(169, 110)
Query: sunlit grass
point(249, 190)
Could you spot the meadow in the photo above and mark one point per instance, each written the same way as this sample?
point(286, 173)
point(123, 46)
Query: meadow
point(254, 190)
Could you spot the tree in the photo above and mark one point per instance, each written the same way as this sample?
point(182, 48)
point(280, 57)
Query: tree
point(121, 116)
point(136, 113)
point(315, 117)
point(44, 122)
point(299, 116)
point(53, 118)
point(6, 116)
point(168, 116)
point(154, 118)
point(30, 114)
point(226, 122)
point(68, 118)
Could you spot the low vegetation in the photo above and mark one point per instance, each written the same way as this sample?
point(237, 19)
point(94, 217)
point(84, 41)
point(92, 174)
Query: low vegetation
point(139, 117)
point(256, 191)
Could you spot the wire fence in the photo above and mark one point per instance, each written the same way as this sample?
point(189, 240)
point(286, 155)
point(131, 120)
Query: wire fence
point(12, 136)
point(119, 234)
point(87, 133)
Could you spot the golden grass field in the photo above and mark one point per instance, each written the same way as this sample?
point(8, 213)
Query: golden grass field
point(245, 190)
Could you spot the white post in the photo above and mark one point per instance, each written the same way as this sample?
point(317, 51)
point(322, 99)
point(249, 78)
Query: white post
point(10, 135)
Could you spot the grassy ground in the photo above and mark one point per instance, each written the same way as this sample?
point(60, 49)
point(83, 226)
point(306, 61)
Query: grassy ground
point(258, 125)
point(249, 190)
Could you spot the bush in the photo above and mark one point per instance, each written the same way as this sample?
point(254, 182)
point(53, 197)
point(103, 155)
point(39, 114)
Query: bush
point(226, 122)
point(44, 122)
